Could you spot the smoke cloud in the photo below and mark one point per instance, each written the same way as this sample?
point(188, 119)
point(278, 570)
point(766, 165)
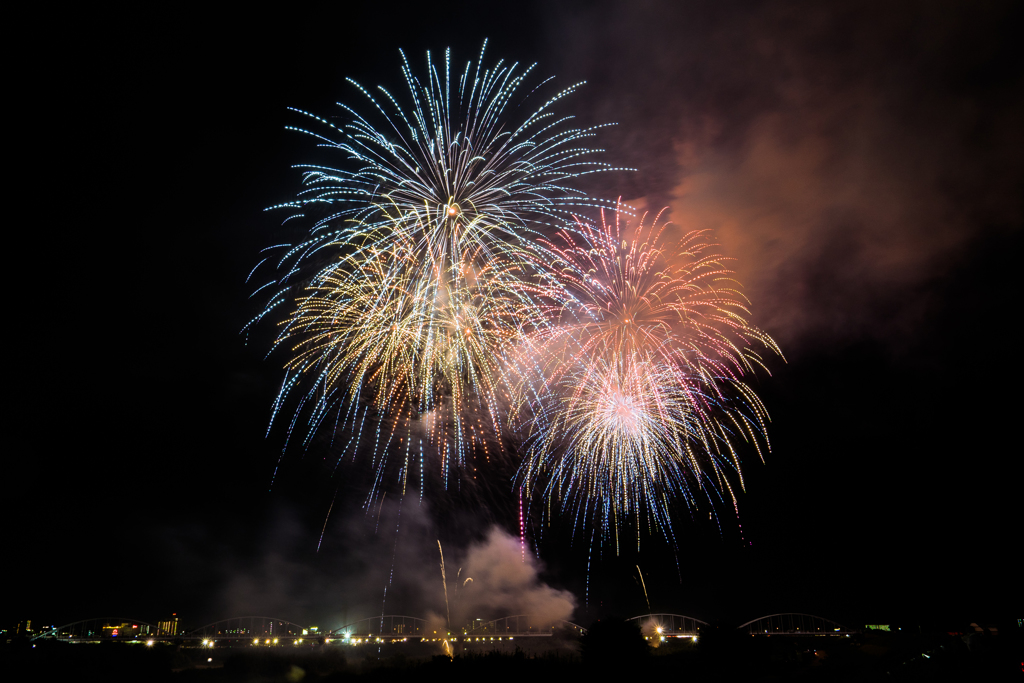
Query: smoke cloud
point(384, 562)
point(506, 581)
point(846, 155)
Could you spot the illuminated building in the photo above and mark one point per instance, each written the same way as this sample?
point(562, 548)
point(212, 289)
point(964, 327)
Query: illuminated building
point(169, 627)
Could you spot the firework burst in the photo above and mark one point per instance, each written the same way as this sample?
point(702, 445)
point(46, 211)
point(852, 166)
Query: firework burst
point(645, 366)
point(419, 269)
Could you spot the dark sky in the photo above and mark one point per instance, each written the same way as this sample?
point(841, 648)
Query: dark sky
point(861, 161)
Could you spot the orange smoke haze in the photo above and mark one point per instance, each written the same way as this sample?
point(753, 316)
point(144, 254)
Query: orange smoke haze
point(845, 155)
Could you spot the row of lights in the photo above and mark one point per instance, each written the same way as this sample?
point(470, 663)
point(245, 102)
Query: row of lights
point(256, 641)
point(355, 641)
point(468, 640)
point(662, 638)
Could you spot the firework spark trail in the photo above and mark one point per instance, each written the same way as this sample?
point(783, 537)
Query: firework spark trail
point(327, 517)
point(646, 365)
point(419, 271)
point(644, 586)
point(391, 574)
point(444, 582)
point(590, 552)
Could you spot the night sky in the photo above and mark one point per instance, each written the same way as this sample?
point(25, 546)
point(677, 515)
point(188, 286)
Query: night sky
point(861, 161)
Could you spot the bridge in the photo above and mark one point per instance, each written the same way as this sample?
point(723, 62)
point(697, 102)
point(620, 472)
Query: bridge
point(794, 624)
point(662, 626)
point(263, 631)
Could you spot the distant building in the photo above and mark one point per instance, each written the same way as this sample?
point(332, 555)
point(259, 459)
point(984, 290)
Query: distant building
point(169, 627)
point(124, 629)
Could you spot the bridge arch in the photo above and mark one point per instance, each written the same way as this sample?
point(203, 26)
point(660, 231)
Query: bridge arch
point(669, 625)
point(101, 628)
point(795, 624)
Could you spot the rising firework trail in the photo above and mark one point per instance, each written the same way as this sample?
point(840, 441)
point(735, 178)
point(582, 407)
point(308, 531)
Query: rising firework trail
point(643, 584)
point(645, 369)
point(420, 268)
point(444, 582)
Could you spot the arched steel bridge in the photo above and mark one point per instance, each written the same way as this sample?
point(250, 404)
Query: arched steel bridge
point(396, 627)
point(794, 624)
point(669, 625)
